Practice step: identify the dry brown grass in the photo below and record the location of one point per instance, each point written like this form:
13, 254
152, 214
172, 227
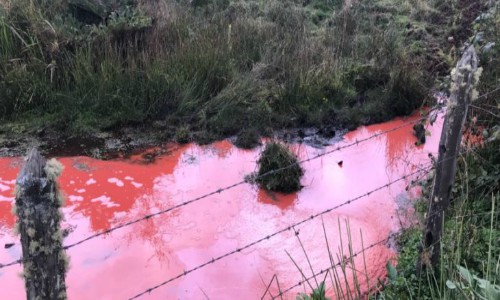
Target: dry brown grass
161, 11
6, 4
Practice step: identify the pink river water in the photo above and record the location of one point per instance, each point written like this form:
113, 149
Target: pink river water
103, 194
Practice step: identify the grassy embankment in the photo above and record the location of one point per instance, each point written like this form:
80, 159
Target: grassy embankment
208, 69
470, 256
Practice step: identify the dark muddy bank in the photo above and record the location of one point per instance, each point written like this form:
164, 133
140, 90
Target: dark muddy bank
132, 140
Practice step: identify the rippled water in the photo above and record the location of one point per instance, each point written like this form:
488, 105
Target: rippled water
102, 194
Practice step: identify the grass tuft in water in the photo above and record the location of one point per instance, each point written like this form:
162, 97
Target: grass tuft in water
274, 157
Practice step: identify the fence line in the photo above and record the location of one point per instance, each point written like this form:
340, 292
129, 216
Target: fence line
268, 237
244, 181
292, 226
281, 293
439, 211
229, 187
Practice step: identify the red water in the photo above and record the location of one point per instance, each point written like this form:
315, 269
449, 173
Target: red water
101, 194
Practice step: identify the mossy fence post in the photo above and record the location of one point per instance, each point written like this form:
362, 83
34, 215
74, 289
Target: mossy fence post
465, 76
37, 207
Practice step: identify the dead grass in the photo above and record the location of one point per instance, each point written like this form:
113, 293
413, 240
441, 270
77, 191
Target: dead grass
6, 5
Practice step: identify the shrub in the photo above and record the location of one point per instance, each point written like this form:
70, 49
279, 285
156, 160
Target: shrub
274, 157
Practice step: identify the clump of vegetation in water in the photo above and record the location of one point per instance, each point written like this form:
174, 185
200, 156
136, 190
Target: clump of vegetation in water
247, 139
274, 157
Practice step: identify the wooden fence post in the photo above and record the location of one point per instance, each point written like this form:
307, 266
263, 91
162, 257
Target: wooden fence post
38, 220
465, 76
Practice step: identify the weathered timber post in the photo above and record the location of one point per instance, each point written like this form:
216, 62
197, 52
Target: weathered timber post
38, 220
465, 76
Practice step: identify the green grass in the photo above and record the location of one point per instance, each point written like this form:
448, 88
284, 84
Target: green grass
220, 66
274, 157
470, 239
469, 265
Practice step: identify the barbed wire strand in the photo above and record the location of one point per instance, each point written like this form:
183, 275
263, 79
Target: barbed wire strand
393, 235
220, 190
268, 237
385, 240
291, 227
312, 217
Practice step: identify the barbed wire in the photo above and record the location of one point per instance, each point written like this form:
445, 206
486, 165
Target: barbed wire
281, 293
312, 217
15, 262
268, 237
292, 226
220, 190
185, 273
488, 93
229, 187
485, 110
332, 267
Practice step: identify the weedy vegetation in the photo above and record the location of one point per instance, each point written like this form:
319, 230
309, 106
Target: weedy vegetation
220, 66
469, 265
279, 169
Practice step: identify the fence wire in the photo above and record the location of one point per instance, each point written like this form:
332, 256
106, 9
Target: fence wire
268, 237
229, 187
332, 267
422, 171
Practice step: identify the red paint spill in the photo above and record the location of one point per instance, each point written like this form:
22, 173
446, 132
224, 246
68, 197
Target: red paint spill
102, 194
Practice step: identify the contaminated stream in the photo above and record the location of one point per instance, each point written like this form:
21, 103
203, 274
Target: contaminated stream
102, 194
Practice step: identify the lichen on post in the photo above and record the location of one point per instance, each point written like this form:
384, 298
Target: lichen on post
37, 205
